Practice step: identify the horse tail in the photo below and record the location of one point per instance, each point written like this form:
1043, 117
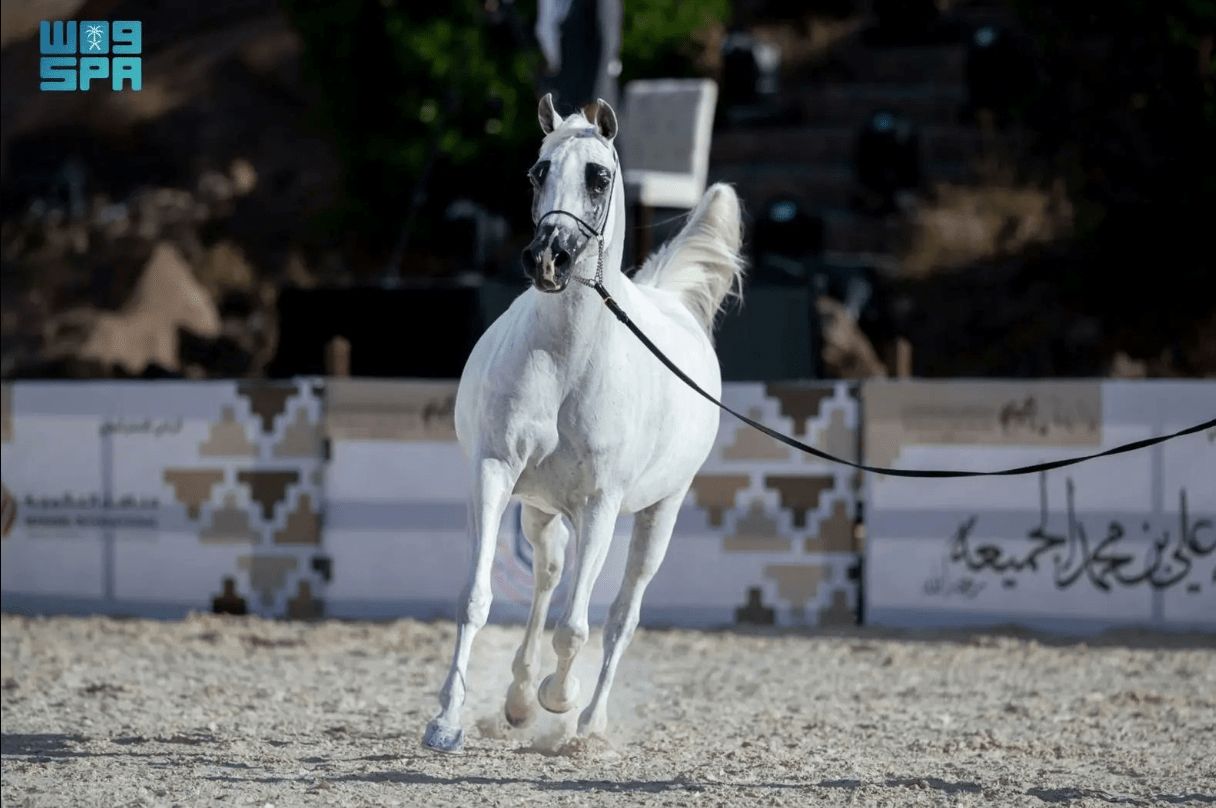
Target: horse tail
702, 263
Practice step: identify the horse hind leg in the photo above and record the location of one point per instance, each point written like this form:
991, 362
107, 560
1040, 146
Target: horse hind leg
548, 535
652, 529
491, 491
595, 527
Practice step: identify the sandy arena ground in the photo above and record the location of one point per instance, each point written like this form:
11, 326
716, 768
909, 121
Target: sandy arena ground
236, 711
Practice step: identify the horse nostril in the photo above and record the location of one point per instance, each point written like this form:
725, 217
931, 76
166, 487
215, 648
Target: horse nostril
560, 259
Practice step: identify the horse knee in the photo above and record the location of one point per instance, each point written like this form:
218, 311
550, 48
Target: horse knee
477, 608
548, 574
622, 622
621, 634
568, 639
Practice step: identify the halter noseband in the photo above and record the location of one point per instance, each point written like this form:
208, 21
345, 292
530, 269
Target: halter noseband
592, 232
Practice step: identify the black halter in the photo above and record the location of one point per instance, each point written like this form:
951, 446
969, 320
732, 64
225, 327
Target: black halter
593, 232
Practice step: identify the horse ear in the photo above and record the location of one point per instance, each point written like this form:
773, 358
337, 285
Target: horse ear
605, 119
549, 119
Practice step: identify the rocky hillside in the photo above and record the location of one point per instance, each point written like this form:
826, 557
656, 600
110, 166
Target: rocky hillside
212, 171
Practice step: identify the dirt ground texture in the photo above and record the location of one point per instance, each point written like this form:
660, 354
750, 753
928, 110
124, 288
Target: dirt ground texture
242, 711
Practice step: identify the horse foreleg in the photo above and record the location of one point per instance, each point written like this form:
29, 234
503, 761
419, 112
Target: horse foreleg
595, 527
492, 487
652, 529
548, 535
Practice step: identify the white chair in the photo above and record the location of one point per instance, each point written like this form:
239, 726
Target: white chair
666, 128
665, 135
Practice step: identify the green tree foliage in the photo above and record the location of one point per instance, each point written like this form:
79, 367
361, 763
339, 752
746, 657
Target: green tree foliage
404, 85
660, 37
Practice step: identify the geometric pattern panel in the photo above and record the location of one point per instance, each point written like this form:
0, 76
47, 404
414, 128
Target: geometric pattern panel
790, 515
191, 495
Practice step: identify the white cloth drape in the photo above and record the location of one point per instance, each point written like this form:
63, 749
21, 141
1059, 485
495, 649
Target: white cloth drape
550, 14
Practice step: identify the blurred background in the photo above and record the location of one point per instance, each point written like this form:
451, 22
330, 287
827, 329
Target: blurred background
1013, 188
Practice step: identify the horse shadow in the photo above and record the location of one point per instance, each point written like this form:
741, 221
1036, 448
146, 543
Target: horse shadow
63, 747
47, 745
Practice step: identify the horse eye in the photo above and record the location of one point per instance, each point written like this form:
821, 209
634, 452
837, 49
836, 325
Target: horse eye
538, 173
597, 178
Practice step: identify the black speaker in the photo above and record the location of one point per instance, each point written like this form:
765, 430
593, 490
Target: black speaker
740, 71
395, 332
887, 156
1001, 73
905, 22
787, 240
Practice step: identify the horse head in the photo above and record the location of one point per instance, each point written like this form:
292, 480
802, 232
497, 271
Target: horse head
573, 190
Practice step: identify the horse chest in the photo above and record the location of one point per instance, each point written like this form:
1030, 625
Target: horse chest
570, 447
589, 413
574, 436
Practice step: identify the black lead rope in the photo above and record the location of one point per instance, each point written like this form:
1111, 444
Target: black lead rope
615, 308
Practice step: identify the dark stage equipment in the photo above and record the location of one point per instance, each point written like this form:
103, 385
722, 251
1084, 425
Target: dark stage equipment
904, 22
1000, 74
887, 159
786, 241
395, 332
750, 82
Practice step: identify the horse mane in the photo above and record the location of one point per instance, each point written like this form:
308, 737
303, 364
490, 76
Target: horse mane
702, 264
573, 126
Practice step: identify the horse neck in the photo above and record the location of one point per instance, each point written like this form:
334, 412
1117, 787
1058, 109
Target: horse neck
573, 321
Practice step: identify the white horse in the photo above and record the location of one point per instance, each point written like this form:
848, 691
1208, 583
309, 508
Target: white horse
561, 406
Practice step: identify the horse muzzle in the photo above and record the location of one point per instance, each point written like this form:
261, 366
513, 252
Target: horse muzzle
549, 262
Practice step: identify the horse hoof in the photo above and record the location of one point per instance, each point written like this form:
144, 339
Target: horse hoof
592, 724
521, 720
553, 699
520, 707
442, 738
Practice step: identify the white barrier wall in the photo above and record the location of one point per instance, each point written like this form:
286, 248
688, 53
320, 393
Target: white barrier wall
395, 499
155, 498
1128, 540
347, 498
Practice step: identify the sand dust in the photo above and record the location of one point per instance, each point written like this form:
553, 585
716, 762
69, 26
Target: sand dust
241, 711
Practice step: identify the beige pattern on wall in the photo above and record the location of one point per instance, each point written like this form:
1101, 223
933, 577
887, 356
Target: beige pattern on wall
193, 487
992, 413
6, 413
751, 444
227, 438
716, 493
757, 532
230, 524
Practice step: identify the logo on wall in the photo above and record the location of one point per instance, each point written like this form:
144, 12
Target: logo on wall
76, 55
8, 511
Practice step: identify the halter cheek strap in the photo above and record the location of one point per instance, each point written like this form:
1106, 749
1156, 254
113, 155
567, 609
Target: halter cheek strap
592, 232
